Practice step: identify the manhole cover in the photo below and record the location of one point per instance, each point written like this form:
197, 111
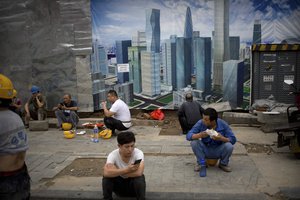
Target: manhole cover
84, 167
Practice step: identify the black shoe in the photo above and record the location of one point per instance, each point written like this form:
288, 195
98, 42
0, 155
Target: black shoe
225, 168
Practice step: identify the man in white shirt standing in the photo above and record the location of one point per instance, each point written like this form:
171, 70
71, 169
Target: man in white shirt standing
123, 172
118, 116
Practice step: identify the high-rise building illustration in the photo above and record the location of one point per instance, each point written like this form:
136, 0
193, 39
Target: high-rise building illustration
221, 40
233, 76
122, 57
102, 60
99, 94
188, 25
150, 62
169, 61
183, 62
164, 61
150, 59
135, 69
153, 30
139, 39
188, 34
99, 59
202, 60
257, 32
125, 91
234, 42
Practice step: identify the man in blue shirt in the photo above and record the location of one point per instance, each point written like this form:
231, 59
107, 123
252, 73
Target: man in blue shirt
212, 138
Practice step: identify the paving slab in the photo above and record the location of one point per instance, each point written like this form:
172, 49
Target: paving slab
254, 135
279, 170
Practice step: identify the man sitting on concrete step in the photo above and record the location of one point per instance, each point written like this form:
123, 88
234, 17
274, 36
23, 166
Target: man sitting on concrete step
123, 172
66, 111
35, 107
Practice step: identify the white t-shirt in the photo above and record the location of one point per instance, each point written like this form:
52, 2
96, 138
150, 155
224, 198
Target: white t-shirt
122, 112
115, 158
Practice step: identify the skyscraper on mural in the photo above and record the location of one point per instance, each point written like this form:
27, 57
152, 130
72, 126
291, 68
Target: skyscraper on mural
257, 32
188, 25
150, 59
221, 40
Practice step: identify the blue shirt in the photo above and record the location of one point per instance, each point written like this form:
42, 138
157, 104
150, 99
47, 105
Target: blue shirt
222, 128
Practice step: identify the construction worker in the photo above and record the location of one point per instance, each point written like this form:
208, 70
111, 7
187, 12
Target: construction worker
35, 106
14, 177
16, 104
66, 111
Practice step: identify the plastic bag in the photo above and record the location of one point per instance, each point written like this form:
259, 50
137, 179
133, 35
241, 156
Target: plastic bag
157, 114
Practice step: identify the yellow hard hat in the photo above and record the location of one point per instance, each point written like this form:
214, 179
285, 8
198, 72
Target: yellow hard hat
105, 134
66, 126
6, 87
69, 134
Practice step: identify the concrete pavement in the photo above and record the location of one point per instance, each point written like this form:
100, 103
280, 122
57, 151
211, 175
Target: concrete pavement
169, 164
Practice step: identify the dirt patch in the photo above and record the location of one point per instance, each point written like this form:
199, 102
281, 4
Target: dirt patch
258, 148
171, 126
84, 167
170, 131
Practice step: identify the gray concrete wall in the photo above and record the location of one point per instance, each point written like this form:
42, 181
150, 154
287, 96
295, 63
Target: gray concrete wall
48, 43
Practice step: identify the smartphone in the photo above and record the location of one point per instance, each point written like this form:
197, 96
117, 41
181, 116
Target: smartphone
137, 161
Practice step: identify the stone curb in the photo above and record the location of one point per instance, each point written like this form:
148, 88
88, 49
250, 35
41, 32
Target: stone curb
76, 195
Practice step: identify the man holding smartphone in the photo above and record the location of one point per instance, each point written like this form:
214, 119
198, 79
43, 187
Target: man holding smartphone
124, 170
66, 111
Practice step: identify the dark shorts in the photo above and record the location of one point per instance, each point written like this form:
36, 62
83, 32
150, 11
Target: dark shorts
15, 185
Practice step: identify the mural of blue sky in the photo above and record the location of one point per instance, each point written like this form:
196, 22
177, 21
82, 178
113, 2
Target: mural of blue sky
120, 19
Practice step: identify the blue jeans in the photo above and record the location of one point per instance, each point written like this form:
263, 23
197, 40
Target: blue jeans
72, 118
203, 151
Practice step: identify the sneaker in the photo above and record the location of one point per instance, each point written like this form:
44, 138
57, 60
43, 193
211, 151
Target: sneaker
197, 168
225, 168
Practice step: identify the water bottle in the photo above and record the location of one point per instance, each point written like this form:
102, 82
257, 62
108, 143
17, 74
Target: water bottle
96, 134
202, 172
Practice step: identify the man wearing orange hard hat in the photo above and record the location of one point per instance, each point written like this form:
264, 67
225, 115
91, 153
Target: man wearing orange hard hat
14, 177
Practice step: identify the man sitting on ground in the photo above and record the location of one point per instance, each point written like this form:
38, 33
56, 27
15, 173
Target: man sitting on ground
66, 111
118, 116
124, 168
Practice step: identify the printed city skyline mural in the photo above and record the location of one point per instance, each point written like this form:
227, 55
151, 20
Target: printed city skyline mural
154, 52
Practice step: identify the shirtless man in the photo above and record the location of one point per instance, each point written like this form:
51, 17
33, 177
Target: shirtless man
14, 177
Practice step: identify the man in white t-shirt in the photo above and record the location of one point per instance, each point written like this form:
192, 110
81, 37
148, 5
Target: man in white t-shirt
123, 172
118, 116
